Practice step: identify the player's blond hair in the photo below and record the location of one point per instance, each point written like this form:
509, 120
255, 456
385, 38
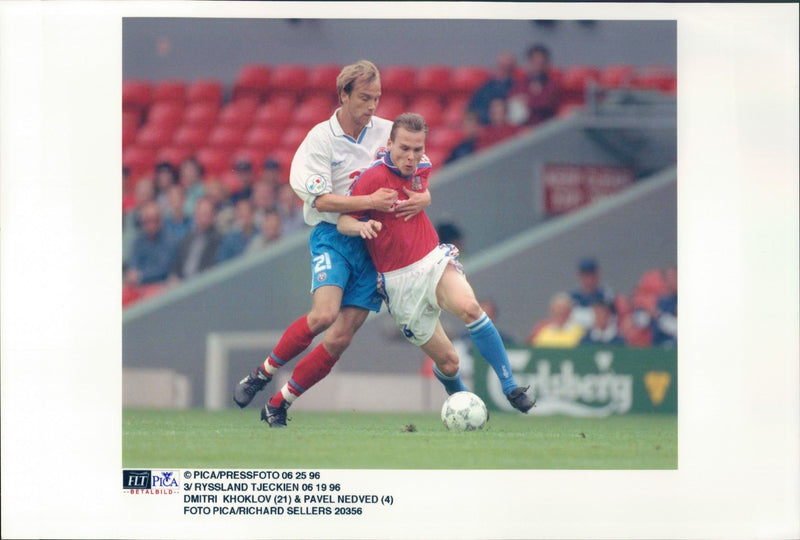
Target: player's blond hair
409, 121
361, 71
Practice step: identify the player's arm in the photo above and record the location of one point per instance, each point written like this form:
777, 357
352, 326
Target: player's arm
382, 199
416, 203
350, 226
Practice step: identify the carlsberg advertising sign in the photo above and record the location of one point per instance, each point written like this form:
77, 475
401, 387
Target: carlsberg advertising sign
587, 382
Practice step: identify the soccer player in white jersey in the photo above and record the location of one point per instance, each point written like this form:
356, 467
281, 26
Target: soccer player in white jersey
343, 277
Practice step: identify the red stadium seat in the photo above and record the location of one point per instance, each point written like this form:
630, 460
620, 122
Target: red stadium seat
139, 161
398, 79
322, 78
205, 91
433, 79
236, 114
429, 107
465, 80
200, 114
660, 78
289, 77
292, 138
312, 112
437, 156
568, 109
165, 113
576, 78
154, 136
252, 80
617, 76
255, 156
226, 136
390, 106
173, 90
232, 182
444, 139
274, 114
286, 100
454, 112
190, 137
173, 155
215, 161
137, 95
130, 125
263, 137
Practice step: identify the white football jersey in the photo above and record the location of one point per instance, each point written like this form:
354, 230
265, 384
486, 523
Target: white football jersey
327, 158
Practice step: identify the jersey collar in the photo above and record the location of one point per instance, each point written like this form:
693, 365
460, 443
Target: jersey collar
337, 130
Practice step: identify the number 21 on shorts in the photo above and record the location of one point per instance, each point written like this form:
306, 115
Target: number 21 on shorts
322, 262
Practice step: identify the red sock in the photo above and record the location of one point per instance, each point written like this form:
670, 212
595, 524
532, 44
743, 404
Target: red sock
308, 372
297, 337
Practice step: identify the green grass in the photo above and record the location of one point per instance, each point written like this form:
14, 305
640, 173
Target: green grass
237, 439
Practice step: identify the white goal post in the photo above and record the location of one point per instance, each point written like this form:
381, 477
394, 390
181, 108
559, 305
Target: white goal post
218, 347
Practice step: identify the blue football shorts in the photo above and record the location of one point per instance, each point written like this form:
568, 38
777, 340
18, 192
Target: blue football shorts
343, 261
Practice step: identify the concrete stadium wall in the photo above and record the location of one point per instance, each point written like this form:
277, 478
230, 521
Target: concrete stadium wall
191, 48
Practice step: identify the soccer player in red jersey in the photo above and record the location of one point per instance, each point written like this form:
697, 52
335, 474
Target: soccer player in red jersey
418, 277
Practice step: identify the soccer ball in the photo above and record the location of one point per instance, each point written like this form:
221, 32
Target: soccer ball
464, 411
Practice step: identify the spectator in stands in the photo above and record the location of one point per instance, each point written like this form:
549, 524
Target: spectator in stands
291, 210
153, 250
499, 128
604, 328
589, 291
191, 178
271, 172
176, 222
263, 200
558, 330
144, 192
223, 208
235, 242
472, 128
499, 86
244, 171
664, 324
166, 176
270, 232
537, 99
198, 249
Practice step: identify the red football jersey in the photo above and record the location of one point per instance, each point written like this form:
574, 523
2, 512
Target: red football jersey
399, 243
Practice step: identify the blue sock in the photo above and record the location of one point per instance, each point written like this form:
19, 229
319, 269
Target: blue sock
487, 339
452, 384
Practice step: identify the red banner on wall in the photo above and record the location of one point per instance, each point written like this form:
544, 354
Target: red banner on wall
567, 186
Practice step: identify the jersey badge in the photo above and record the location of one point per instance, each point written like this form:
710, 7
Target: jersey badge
322, 276
416, 183
316, 184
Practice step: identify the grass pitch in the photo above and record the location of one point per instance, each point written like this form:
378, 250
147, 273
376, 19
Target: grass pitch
350, 440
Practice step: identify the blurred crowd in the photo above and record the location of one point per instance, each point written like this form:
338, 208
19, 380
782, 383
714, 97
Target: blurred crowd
592, 314
179, 223
515, 98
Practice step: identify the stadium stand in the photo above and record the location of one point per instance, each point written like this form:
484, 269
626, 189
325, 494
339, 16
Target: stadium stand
268, 110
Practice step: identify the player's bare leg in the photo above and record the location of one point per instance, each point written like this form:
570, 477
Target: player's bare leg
316, 365
455, 295
325, 304
445, 360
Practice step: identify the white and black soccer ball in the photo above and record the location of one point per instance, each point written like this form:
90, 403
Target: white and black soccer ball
464, 411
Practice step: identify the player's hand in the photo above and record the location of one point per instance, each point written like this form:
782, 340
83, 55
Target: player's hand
412, 206
369, 229
383, 199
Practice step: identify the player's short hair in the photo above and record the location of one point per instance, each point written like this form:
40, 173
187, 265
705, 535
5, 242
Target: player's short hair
361, 71
412, 122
